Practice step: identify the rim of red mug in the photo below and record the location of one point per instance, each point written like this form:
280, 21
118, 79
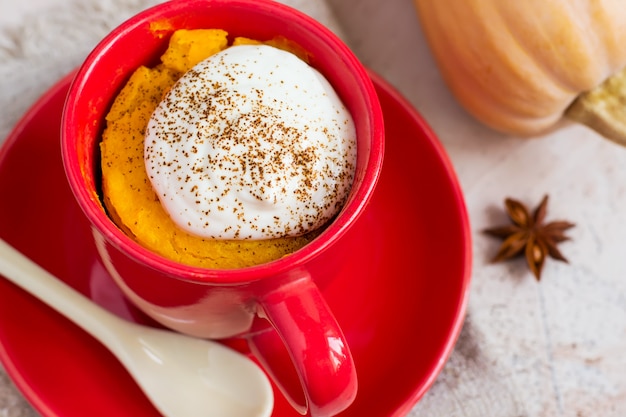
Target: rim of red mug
351, 210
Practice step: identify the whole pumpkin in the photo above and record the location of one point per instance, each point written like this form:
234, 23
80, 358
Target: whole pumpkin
519, 65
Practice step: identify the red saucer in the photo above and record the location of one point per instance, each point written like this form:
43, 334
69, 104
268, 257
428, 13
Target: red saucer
401, 302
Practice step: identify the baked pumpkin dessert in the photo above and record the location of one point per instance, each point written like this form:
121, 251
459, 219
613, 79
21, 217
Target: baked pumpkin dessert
206, 163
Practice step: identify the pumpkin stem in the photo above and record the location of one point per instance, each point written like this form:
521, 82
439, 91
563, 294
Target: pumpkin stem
603, 109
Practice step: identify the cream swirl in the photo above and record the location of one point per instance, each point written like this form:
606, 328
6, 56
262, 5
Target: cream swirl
251, 143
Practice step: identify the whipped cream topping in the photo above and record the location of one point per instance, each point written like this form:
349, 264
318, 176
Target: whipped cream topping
251, 143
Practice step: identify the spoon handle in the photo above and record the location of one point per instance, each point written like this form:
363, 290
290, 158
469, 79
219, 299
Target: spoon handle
29, 276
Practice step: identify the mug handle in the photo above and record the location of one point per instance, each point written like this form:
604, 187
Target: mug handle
307, 350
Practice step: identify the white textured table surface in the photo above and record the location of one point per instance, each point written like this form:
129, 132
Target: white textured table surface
528, 349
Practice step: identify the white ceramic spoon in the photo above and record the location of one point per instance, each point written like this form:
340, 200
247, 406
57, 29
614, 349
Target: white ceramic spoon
181, 375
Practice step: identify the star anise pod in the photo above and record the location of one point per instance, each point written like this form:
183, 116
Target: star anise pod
529, 235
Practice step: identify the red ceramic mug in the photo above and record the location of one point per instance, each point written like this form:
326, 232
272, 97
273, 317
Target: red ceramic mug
278, 306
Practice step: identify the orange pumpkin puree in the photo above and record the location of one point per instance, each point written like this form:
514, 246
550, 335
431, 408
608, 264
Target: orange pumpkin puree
128, 195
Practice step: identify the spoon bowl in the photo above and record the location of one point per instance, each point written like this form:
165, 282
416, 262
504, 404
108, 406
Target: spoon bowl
181, 375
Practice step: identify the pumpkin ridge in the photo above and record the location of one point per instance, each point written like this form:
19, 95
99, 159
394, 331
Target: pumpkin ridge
610, 41
536, 39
